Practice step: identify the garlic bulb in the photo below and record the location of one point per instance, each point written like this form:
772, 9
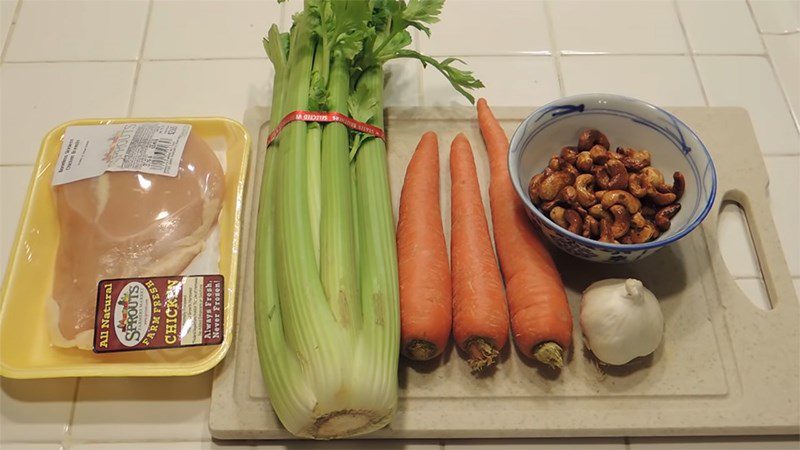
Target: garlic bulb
621, 320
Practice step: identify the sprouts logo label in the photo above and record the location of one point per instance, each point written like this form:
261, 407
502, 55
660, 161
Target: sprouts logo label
121, 139
132, 314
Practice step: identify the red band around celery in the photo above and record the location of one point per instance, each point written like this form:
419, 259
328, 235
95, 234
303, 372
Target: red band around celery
325, 116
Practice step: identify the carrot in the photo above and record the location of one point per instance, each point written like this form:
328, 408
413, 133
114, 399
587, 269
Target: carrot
480, 313
541, 320
425, 292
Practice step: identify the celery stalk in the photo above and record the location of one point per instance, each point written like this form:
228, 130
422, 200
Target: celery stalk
297, 336
338, 270
308, 326
279, 365
377, 256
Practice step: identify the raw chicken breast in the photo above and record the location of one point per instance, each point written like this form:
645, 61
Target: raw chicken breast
129, 224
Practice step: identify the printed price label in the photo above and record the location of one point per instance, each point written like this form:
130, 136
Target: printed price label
159, 312
150, 147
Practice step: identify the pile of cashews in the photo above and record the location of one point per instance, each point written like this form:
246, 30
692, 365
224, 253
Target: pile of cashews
614, 197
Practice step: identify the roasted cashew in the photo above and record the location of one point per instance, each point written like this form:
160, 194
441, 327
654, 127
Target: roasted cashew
584, 162
659, 193
569, 154
554, 163
569, 168
664, 216
533, 188
652, 176
552, 185
591, 137
606, 235
599, 154
636, 185
622, 221
638, 220
623, 198
634, 160
601, 177
557, 214
568, 194
574, 220
618, 174
678, 185
584, 187
599, 213
548, 206
662, 198
591, 227
599, 194
637, 236
648, 212
557, 163
612, 175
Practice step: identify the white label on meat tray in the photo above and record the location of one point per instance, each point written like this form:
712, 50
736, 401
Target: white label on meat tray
149, 147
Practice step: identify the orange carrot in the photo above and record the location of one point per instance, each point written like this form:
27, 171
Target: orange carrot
541, 320
425, 293
480, 313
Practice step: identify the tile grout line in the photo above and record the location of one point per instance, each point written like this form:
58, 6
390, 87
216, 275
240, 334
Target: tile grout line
777, 33
554, 51
691, 52
10, 32
67, 61
546, 54
795, 114
758, 27
782, 155
135, 83
67, 440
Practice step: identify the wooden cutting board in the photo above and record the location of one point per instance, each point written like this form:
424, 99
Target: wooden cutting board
725, 366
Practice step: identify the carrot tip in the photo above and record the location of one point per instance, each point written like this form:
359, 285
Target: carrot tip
482, 355
549, 353
418, 350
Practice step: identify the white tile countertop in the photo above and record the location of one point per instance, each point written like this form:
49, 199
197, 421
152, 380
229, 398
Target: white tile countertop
69, 59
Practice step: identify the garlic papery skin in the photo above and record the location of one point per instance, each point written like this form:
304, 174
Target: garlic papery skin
621, 320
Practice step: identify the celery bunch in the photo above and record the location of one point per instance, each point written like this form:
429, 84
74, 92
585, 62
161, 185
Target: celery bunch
326, 288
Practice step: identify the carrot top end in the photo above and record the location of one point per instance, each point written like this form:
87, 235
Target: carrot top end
418, 350
549, 353
482, 355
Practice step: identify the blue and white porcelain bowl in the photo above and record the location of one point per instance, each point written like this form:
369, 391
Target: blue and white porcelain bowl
626, 122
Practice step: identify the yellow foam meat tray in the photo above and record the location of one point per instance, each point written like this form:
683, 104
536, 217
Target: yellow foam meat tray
25, 348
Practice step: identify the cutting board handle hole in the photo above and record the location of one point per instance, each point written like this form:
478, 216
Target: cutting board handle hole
739, 253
